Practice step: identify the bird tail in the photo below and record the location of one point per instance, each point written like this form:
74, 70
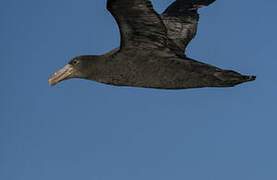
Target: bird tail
232, 78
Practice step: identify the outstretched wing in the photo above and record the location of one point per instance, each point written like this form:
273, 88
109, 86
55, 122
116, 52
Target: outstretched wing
181, 20
140, 26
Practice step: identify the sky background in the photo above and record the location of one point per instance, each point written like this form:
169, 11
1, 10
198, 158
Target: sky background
85, 130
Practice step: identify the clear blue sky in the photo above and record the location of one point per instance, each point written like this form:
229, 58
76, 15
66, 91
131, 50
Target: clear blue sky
85, 130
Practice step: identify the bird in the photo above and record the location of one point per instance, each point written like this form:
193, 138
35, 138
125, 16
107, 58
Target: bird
152, 52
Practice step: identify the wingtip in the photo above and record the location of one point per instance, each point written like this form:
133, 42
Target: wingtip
201, 3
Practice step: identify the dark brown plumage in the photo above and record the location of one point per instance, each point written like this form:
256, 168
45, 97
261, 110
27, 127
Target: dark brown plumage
151, 52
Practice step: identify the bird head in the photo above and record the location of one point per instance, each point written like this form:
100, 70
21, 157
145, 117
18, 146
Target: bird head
76, 68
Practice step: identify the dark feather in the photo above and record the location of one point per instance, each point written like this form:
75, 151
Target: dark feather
139, 24
181, 19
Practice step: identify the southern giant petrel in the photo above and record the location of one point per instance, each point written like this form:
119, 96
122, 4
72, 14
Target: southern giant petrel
152, 51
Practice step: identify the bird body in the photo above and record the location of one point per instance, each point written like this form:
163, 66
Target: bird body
151, 52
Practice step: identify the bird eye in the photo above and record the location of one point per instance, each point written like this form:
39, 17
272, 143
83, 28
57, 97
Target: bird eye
75, 62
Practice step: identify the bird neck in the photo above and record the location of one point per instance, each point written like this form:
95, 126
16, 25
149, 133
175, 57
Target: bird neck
99, 68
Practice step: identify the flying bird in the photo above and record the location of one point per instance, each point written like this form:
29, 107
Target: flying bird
152, 51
